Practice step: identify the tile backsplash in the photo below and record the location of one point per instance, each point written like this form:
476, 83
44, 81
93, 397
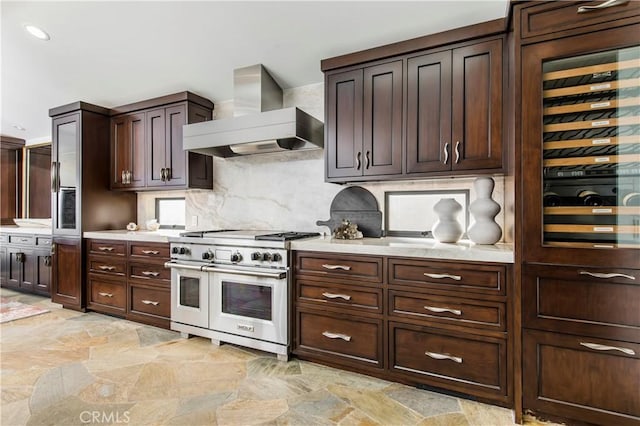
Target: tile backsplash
286, 191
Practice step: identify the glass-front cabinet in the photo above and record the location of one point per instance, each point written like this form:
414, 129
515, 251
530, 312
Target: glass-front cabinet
581, 150
64, 175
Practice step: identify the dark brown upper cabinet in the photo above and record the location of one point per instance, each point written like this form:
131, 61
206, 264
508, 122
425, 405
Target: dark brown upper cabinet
435, 112
127, 151
11, 169
146, 144
364, 129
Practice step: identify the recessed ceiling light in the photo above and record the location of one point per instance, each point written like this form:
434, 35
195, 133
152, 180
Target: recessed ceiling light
19, 127
38, 33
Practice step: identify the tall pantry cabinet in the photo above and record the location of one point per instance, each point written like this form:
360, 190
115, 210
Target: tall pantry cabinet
578, 88
80, 196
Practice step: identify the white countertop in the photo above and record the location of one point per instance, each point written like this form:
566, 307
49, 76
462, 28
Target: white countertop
13, 229
159, 236
410, 247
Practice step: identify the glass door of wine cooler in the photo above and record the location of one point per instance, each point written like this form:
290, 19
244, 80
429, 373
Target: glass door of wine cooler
581, 149
591, 150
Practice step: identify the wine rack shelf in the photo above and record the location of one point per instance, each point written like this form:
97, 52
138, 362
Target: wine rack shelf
591, 145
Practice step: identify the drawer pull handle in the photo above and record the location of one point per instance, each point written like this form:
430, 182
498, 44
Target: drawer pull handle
105, 294
150, 273
105, 248
598, 347
446, 153
150, 251
150, 302
336, 296
457, 150
435, 309
439, 276
436, 355
106, 267
607, 276
331, 335
607, 4
334, 267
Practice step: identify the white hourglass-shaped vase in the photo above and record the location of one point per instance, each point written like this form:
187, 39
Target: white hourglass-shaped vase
447, 229
484, 209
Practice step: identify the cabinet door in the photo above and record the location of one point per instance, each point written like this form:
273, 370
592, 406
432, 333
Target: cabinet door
429, 113
29, 268
66, 175
41, 274
176, 157
15, 266
382, 127
344, 124
127, 151
581, 150
156, 148
477, 106
3, 266
66, 285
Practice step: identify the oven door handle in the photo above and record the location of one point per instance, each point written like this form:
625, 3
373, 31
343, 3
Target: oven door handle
182, 266
275, 275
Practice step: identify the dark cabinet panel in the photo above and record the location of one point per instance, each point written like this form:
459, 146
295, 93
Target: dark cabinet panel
11, 172
429, 113
65, 157
477, 94
42, 272
157, 147
127, 151
344, 106
67, 287
176, 157
39, 182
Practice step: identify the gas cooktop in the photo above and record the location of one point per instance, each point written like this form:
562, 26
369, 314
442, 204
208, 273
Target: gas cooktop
255, 235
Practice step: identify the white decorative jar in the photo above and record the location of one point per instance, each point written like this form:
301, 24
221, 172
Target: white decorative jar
484, 209
447, 229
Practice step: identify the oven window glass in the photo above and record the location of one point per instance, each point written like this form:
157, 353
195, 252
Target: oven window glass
190, 292
246, 300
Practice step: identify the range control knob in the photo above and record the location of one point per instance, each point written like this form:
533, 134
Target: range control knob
266, 257
174, 250
256, 255
275, 257
207, 255
236, 257
183, 250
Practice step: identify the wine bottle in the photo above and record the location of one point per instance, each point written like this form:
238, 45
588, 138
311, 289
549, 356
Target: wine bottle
550, 199
590, 198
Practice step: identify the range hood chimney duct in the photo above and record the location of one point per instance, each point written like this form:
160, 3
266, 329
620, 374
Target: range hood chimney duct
259, 123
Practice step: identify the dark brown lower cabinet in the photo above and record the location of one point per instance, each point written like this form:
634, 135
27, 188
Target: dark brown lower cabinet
66, 283
582, 378
26, 263
128, 279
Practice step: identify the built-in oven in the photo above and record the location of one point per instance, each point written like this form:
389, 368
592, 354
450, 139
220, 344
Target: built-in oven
252, 304
189, 296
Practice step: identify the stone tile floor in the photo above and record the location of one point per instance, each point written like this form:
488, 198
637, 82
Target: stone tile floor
70, 368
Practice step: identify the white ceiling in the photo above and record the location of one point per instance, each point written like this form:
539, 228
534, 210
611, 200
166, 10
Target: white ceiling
114, 53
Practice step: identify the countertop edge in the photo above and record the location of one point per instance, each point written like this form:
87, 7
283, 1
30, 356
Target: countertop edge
122, 235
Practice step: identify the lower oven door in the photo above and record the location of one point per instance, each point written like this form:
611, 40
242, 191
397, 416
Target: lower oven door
250, 306
190, 297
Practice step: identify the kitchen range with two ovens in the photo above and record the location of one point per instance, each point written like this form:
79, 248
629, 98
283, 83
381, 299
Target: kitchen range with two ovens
233, 286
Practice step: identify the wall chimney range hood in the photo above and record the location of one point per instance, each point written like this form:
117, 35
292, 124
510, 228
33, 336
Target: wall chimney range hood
259, 123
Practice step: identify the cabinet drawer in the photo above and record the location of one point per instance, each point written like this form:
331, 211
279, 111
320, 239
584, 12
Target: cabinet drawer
107, 293
361, 268
585, 379
22, 239
341, 337
107, 265
149, 250
556, 17
573, 300
43, 241
151, 301
459, 277
349, 297
149, 271
107, 247
468, 313
465, 363
4, 239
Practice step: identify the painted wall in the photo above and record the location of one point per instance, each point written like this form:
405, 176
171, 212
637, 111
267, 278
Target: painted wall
284, 191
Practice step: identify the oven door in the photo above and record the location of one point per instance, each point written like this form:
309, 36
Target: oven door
189, 296
250, 306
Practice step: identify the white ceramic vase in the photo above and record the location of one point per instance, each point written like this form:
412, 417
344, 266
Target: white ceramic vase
447, 229
484, 209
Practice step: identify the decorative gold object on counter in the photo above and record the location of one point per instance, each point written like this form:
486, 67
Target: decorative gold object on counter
347, 231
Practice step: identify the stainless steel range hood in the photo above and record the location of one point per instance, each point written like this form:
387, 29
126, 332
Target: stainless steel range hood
259, 125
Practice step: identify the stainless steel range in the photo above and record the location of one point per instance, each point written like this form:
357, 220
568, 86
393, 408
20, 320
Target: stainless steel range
233, 286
